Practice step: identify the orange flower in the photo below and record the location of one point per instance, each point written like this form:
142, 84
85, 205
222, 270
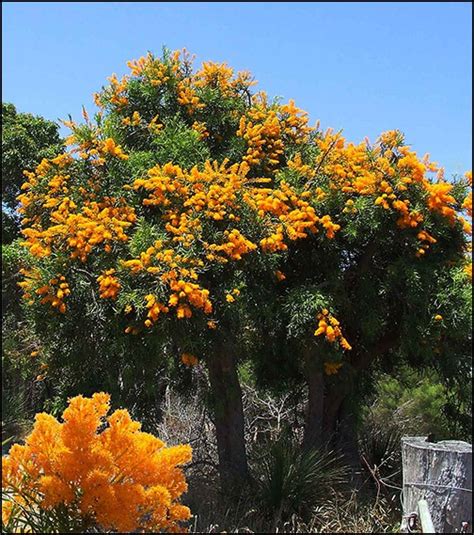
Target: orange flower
189, 360
118, 478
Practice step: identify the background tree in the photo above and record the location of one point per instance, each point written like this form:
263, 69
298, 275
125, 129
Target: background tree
26, 140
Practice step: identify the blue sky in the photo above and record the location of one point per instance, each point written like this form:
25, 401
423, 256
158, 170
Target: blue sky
363, 67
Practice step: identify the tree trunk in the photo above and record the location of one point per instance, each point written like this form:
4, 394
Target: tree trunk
313, 432
347, 442
328, 419
229, 420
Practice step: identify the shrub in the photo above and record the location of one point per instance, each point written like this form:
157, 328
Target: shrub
83, 474
414, 401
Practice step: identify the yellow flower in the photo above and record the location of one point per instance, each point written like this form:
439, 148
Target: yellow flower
438, 317
280, 276
331, 368
229, 298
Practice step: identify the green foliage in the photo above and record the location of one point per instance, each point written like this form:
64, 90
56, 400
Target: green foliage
415, 401
26, 140
302, 305
179, 144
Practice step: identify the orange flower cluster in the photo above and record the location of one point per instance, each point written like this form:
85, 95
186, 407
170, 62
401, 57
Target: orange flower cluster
467, 203
189, 360
109, 285
55, 219
220, 76
175, 270
328, 326
440, 200
178, 69
179, 65
115, 93
392, 174
262, 131
212, 191
294, 122
188, 292
134, 120
31, 280
297, 165
426, 240
153, 70
164, 183
294, 216
187, 97
200, 128
90, 146
108, 146
98, 223
236, 246
117, 479
54, 292
468, 270
155, 308
266, 129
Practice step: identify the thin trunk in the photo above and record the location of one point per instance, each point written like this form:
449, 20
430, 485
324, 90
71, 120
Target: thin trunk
347, 442
313, 433
332, 404
229, 420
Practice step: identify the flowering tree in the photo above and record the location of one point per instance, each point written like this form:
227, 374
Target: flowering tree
394, 280
196, 218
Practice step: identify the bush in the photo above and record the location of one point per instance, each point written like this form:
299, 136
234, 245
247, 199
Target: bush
414, 401
83, 474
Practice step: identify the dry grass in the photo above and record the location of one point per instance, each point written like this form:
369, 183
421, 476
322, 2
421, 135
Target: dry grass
342, 511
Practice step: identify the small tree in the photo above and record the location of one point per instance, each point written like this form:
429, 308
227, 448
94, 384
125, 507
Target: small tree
160, 206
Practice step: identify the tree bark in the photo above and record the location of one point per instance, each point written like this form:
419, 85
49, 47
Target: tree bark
347, 441
313, 432
229, 420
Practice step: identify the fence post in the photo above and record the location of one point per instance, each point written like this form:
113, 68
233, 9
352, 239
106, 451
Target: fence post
441, 474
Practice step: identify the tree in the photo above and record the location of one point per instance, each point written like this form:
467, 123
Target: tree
193, 218
400, 251
26, 139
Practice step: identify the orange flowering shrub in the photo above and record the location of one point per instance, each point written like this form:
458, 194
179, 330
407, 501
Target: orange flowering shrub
94, 470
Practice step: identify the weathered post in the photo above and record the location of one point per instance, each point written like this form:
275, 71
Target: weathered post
441, 474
